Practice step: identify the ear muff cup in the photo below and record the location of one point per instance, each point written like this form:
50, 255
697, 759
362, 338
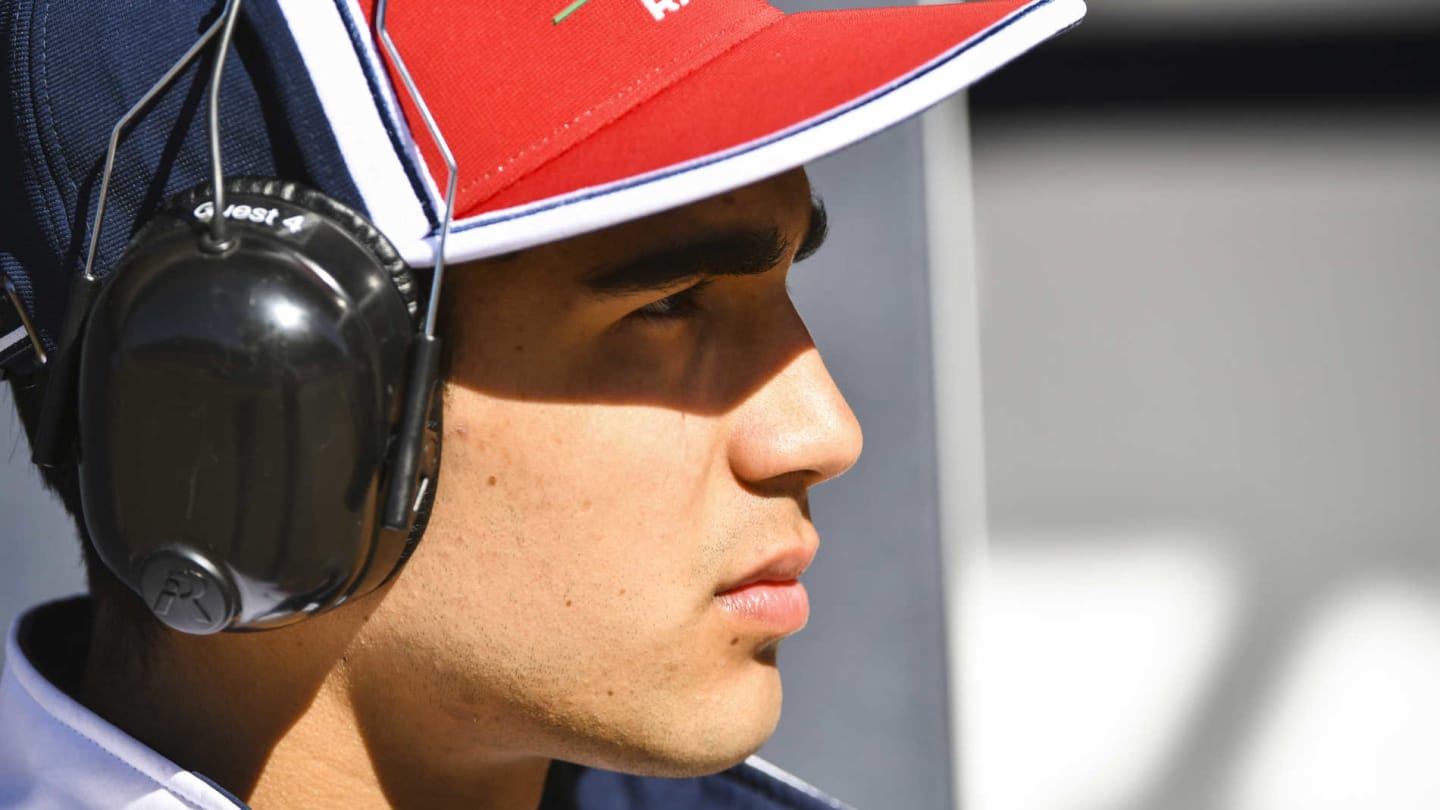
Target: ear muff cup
238, 409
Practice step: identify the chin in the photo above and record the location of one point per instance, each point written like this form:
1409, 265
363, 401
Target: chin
707, 737
699, 760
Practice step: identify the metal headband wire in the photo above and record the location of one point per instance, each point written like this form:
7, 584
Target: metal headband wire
217, 172
14, 296
439, 140
124, 122
226, 22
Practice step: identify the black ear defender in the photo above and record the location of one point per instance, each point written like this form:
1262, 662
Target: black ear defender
257, 392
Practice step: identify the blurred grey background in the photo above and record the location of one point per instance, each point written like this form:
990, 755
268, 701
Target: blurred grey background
1208, 239
1186, 361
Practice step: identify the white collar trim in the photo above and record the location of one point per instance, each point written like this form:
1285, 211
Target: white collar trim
54, 752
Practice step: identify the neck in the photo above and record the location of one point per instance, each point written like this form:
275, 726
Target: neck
272, 717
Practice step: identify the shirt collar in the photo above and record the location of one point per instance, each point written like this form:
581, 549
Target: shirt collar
55, 752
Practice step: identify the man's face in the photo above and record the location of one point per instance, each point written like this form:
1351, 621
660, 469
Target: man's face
632, 421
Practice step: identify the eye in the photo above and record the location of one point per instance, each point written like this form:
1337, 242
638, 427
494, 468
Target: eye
678, 306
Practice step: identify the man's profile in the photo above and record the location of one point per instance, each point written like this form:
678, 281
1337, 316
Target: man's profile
633, 411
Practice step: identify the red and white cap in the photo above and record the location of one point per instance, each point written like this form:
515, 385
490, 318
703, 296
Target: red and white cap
567, 118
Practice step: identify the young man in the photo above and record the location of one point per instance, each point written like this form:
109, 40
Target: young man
633, 411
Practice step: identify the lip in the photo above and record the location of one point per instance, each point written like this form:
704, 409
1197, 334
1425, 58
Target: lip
777, 607
785, 565
771, 597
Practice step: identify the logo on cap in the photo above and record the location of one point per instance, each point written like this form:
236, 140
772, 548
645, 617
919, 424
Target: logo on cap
657, 8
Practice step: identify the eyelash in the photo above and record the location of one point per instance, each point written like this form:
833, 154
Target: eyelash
675, 307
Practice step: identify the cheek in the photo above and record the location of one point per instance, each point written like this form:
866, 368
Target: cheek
563, 596
598, 522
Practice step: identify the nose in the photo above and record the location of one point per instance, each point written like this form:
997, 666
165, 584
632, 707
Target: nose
796, 429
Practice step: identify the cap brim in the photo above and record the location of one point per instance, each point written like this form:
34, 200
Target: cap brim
798, 89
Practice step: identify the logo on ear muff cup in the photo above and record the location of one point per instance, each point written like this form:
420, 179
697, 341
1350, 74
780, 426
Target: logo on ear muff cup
186, 591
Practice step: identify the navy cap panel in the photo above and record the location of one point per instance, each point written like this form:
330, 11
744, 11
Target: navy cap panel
23, 204
73, 72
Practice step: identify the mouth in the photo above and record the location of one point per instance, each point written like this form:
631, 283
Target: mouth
776, 608
770, 598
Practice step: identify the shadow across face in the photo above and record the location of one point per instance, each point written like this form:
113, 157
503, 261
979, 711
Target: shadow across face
686, 309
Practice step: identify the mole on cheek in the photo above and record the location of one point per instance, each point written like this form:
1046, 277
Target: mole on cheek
490, 481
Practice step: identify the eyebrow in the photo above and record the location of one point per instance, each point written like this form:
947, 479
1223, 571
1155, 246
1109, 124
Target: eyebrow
729, 253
